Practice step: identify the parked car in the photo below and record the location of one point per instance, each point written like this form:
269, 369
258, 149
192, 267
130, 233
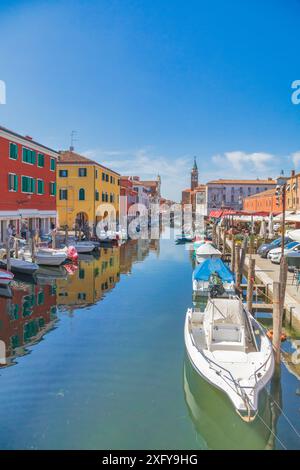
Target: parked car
275, 254
264, 249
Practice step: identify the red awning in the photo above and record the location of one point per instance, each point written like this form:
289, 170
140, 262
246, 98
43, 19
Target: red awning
216, 214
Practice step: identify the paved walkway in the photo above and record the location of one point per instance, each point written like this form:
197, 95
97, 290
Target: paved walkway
267, 273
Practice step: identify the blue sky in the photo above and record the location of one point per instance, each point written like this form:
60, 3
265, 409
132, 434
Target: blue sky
148, 84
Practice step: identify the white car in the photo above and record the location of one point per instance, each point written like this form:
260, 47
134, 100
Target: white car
275, 254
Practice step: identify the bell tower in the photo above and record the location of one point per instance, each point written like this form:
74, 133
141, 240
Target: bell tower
194, 175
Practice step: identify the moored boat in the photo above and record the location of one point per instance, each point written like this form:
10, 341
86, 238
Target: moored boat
19, 266
229, 349
213, 275
5, 277
49, 257
207, 250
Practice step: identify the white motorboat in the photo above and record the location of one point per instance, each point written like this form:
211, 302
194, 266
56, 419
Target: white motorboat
229, 349
207, 250
5, 277
84, 247
20, 266
49, 257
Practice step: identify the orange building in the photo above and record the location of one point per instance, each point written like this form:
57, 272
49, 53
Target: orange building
264, 201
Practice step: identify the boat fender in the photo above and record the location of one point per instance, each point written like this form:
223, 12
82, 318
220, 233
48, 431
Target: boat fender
283, 336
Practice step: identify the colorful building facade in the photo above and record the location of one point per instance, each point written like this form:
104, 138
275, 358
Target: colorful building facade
86, 191
28, 184
262, 202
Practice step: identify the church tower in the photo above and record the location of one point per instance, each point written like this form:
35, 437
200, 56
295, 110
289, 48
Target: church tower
194, 176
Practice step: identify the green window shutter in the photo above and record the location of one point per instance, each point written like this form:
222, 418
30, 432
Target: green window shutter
13, 151
15, 182
33, 157
52, 164
41, 160
24, 189
32, 185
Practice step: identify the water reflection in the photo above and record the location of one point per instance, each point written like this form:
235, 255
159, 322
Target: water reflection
216, 421
25, 318
32, 311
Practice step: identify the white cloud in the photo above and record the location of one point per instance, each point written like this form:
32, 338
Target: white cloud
146, 164
239, 160
296, 158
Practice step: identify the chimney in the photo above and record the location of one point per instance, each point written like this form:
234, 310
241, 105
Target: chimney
28, 137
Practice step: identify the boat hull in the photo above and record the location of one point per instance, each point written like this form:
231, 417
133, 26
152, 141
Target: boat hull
202, 366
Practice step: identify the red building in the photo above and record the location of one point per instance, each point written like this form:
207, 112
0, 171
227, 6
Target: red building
27, 182
126, 189
262, 202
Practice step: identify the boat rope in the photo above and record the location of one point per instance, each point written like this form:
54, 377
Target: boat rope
285, 416
272, 432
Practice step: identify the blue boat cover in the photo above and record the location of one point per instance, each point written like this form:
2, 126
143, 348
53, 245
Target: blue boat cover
211, 265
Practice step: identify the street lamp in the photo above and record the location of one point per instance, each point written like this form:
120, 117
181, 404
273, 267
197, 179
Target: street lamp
281, 198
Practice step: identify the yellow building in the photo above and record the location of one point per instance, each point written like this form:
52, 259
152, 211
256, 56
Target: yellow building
91, 281
86, 191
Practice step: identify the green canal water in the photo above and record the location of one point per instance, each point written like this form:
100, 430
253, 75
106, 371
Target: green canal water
96, 360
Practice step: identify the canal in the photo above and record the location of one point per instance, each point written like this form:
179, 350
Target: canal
95, 360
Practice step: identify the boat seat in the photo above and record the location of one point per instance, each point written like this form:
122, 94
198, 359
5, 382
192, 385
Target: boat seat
197, 318
228, 337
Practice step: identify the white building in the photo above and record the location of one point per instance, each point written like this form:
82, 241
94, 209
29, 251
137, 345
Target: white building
229, 194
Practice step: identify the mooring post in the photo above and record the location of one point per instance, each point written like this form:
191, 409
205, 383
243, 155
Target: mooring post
277, 321
224, 242
53, 239
16, 248
243, 255
32, 246
233, 254
283, 280
8, 264
250, 283
237, 266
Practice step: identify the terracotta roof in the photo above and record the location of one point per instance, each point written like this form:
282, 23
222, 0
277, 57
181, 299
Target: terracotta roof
269, 192
29, 140
149, 183
66, 156
257, 181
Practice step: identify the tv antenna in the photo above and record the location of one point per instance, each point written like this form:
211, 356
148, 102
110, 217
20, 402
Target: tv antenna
73, 139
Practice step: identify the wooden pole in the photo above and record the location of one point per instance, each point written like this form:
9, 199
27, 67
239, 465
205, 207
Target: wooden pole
282, 280
243, 255
233, 255
8, 264
32, 246
237, 266
224, 242
250, 283
53, 239
277, 321
283, 219
16, 248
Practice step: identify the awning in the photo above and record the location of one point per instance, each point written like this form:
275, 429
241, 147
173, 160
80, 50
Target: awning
216, 214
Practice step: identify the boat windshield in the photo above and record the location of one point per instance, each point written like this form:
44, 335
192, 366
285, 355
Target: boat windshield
228, 311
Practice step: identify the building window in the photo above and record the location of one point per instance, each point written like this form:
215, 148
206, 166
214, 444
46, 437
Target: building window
40, 187
107, 178
52, 164
63, 173
96, 173
12, 182
97, 195
81, 194
257, 189
103, 176
82, 172
111, 198
41, 160
63, 194
103, 197
13, 151
28, 184
52, 188
81, 296
28, 156
81, 273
